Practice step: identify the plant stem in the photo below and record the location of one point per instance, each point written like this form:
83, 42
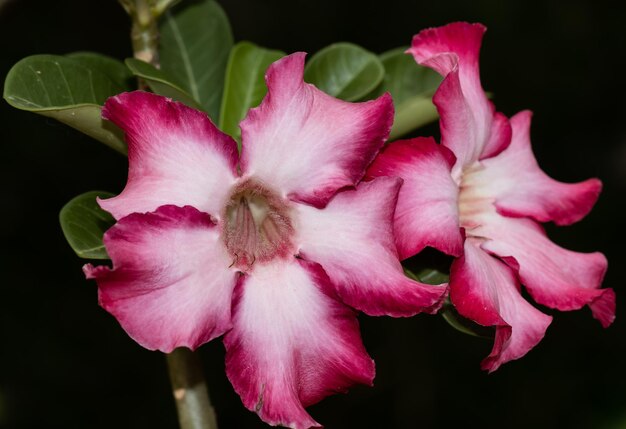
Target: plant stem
188, 385
145, 32
190, 390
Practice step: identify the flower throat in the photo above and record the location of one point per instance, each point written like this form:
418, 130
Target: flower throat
257, 225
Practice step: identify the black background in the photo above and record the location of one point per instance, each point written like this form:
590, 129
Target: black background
65, 363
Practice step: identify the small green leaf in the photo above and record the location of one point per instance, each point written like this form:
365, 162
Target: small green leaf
245, 84
412, 87
427, 275
83, 223
345, 71
65, 89
195, 42
113, 68
463, 324
448, 312
160, 83
432, 276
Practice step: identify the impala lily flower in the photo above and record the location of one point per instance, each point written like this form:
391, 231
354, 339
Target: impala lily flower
272, 248
480, 195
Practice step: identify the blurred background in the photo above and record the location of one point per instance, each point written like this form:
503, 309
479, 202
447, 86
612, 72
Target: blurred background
66, 363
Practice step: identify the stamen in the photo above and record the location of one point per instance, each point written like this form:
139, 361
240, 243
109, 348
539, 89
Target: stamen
270, 230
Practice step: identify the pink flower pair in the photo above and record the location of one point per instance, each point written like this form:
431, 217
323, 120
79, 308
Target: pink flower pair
277, 247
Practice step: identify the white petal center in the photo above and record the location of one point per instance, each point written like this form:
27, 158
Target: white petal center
475, 204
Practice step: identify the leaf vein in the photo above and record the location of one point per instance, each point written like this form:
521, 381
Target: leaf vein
193, 87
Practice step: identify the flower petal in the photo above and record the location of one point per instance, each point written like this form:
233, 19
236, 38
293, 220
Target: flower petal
485, 290
469, 125
175, 155
427, 212
292, 343
352, 238
554, 276
170, 285
307, 143
521, 189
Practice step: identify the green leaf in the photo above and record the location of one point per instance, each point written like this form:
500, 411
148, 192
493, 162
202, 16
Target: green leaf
448, 312
463, 324
431, 276
345, 71
195, 42
412, 87
113, 68
65, 89
428, 275
160, 83
412, 114
245, 84
83, 223
404, 78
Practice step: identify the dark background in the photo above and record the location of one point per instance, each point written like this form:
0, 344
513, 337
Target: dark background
65, 363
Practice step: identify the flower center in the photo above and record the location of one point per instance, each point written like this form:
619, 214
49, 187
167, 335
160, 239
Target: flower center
257, 225
474, 203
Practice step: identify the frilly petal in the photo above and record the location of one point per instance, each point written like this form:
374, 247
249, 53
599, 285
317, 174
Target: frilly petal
306, 143
170, 285
522, 189
555, 277
427, 212
352, 238
485, 290
292, 343
470, 127
175, 156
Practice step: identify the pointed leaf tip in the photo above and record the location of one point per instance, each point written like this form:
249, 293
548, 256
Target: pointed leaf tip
161, 83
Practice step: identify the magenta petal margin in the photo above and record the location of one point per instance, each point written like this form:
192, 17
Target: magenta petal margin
274, 250
491, 191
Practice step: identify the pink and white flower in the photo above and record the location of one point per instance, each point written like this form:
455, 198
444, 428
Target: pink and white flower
273, 248
480, 196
